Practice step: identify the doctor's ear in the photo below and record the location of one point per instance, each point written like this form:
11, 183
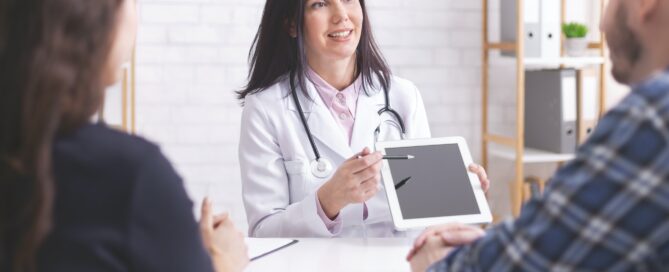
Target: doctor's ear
292, 29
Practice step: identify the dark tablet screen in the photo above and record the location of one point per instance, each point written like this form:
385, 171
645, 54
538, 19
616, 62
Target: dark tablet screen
434, 183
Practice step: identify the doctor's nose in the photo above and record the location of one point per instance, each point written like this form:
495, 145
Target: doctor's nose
340, 13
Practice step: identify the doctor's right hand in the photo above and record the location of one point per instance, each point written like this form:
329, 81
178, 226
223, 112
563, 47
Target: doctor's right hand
356, 181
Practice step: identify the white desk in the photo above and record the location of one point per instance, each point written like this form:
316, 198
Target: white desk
340, 254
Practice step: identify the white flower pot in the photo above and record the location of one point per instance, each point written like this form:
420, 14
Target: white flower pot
576, 47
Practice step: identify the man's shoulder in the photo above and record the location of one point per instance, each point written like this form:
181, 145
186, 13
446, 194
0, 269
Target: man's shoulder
647, 105
656, 88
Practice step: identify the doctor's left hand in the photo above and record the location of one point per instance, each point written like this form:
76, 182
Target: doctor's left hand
483, 176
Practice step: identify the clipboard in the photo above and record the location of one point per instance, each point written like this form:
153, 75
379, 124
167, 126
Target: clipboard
261, 247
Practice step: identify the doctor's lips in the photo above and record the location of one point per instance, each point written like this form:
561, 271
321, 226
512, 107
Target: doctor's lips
402, 183
341, 34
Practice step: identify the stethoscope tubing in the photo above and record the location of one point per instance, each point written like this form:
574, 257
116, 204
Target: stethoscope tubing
293, 91
307, 130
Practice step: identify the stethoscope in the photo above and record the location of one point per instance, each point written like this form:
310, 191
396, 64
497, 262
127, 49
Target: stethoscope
322, 167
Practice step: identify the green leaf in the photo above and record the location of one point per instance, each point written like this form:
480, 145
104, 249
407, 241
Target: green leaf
574, 30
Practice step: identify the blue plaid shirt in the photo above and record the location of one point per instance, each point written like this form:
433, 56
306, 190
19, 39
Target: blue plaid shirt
607, 210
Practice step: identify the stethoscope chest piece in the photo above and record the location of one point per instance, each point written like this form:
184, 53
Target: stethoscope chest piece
321, 168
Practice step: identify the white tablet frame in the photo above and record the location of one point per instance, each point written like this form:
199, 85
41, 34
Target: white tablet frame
400, 223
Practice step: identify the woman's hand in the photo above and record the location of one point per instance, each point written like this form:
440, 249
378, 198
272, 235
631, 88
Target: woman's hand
223, 241
355, 181
483, 176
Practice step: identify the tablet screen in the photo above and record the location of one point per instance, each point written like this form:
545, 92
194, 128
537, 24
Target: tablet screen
434, 183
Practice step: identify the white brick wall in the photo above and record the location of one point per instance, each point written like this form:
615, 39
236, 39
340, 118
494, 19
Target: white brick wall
191, 56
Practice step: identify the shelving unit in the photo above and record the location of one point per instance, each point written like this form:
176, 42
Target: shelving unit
513, 148
530, 155
564, 62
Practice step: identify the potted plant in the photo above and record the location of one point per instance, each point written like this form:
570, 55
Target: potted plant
576, 44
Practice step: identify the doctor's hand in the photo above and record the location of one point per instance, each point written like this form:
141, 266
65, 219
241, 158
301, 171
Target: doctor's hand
356, 181
222, 240
483, 176
451, 235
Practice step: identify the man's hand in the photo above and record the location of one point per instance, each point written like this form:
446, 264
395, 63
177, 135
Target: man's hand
433, 250
451, 235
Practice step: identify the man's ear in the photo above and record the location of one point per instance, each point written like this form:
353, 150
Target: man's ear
639, 12
646, 9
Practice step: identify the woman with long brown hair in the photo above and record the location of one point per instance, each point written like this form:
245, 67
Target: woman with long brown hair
319, 96
77, 196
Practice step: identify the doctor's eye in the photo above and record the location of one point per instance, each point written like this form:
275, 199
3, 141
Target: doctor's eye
318, 5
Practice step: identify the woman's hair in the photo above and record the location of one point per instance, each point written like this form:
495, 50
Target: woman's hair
52, 56
275, 54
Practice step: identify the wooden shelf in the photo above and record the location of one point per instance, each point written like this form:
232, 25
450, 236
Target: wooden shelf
502, 46
511, 46
530, 155
565, 62
509, 146
499, 139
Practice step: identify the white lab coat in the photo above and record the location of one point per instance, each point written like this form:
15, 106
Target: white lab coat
279, 190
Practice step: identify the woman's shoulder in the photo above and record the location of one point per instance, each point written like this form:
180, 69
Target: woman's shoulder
270, 100
402, 83
403, 89
278, 90
104, 139
100, 147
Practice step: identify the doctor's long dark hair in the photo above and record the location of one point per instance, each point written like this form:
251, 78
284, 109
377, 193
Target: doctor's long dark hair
275, 54
52, 53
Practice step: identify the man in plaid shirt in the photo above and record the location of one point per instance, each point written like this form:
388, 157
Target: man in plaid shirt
608, 209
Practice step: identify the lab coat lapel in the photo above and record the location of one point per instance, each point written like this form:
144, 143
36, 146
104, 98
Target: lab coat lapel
322, 124
366, 121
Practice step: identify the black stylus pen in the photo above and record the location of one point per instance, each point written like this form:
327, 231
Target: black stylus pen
402, 183
405, 157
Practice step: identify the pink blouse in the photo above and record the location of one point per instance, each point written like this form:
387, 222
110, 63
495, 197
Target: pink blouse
343, 105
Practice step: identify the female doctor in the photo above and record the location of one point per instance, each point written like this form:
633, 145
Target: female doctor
319, 96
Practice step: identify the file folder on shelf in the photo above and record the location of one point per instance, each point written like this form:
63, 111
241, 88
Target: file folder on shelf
550, 110
542, 27
551, 29
589, 101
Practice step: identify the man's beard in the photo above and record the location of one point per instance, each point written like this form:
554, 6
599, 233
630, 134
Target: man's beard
625, 48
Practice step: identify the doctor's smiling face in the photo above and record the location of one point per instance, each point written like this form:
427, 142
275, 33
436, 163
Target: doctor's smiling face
334, 35
332, 29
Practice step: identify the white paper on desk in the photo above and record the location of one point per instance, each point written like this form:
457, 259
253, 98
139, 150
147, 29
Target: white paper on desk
261, 246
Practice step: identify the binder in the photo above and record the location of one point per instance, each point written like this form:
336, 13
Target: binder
542, 27
589, 98
551, 29
551, 110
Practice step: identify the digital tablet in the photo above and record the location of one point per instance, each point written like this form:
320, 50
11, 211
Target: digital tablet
434, 187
